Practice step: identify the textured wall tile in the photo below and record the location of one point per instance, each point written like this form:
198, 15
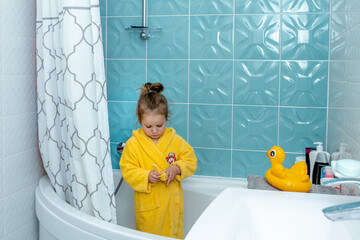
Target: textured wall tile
352, 97
19, 94
1, 84
247, 162
337, 79
20, 133
1, 140
19, 54
305, 36
30, 231
122, 43
19, 209
256, 82
172, 41
2, 56
304, 83
339, 24
336, 94
335, 135
1, 73
211, 7
103, 21
338, 48
306, 6
255, 128
353, 20
122, 120
353, 145
210, 126
211, 82
352, 42
351, 124
165, 7
2, 219
300, 128
338, 70
124, 8
103, 9
211, 37
2, 187
345, 6
115, 156
173, 74
261, 6
18, 177
178, 119
124, 78
339, 5
213, 162
257, 36
352, 72
22, 22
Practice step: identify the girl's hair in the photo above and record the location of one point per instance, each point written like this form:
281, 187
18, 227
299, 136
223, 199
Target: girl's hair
151, 99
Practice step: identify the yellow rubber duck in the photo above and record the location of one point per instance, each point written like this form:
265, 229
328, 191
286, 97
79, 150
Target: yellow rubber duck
294, 179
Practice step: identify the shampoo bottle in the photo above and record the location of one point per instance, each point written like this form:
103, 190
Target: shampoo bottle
313, 155
341, 153
320, 162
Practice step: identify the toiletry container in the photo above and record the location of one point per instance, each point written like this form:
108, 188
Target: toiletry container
340, 154
307, 160
312, 157
320, 162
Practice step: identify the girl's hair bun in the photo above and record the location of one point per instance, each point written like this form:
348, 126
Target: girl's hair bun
151, 87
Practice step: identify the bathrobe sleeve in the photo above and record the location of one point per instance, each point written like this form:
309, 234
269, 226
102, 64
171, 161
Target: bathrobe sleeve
131, 170
187, 160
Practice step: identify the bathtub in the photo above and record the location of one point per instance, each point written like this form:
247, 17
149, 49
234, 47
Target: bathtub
60, 221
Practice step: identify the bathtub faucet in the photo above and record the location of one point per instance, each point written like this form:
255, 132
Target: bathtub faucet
345, 211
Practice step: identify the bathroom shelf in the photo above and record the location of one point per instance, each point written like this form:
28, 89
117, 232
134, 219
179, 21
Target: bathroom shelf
144, 31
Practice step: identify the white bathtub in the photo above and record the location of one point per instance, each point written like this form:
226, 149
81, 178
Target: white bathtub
58, 220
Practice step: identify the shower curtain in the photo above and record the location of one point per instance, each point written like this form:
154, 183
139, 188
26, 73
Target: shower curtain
72, 105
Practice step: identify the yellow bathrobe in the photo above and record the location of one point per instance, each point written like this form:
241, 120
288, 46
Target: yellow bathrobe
159, 209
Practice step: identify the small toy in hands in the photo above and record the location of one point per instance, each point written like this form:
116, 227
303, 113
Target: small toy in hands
294, 179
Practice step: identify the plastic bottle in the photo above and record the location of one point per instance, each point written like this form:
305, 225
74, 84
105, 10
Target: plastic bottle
312, 157
320, 162
340, 154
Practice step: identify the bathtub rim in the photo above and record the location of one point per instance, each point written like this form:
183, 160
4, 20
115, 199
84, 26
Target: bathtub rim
47, 200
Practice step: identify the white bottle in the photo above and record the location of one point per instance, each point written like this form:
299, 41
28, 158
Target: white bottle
312, 157
341, 153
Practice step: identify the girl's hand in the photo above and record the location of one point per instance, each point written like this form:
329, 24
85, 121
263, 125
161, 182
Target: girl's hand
153, 176
171, 173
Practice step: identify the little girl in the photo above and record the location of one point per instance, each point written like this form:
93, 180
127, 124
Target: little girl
153, 163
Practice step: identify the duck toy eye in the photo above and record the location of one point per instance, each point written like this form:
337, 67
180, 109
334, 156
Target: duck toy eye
273, 153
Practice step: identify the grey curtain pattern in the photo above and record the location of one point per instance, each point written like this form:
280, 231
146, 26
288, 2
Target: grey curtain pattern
73, 124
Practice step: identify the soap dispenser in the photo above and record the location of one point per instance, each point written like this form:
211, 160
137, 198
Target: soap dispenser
313, 155
340, 154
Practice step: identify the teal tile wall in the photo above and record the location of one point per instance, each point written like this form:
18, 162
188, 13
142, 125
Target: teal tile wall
240, 76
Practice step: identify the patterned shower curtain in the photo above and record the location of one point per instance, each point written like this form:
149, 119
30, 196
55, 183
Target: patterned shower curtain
72, 105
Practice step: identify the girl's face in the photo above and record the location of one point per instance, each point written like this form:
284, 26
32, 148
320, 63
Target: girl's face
153, 124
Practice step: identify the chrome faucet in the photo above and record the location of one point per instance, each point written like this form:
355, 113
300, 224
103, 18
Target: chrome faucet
345, 211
